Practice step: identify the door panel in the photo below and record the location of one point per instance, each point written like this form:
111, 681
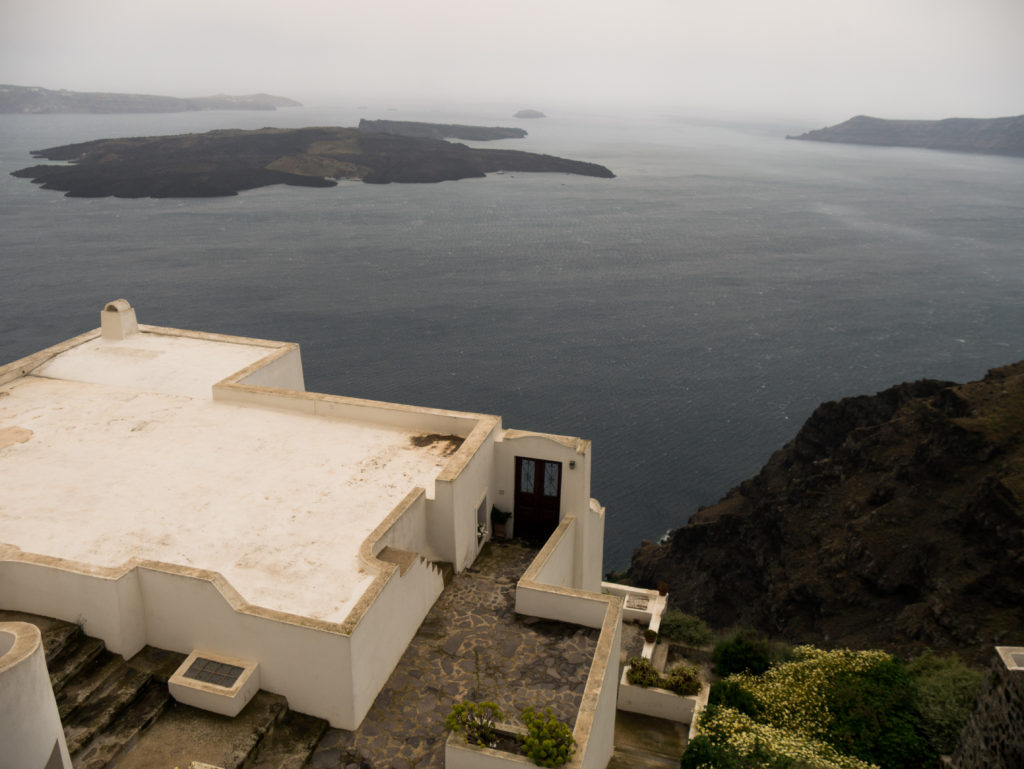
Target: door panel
538, 497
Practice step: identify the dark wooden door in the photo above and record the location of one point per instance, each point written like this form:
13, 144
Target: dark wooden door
538, 497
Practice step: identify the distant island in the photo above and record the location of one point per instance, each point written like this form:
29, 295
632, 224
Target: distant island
529, 113
17, 99
224, 162
994, 136
440, 130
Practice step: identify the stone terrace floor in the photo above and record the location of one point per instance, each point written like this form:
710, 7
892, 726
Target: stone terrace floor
471, 646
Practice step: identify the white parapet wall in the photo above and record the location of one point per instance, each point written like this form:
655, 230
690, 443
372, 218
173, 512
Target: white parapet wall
594, 730
546, 589
639, 604
461, 487
182, 609
30, 730
282, 370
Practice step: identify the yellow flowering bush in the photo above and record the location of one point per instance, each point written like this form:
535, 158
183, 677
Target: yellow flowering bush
725, 726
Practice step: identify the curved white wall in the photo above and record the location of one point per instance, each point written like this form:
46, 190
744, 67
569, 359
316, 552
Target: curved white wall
30, 728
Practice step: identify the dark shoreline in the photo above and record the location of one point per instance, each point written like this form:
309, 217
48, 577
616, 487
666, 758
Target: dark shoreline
225, 162
992, 136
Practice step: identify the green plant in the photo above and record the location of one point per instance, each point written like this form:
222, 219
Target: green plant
732, 694
650, 635
685, 628
475, 721
642, 673
548, 741
746, 652
736, 741
946, 691
875, 718
683, 680
701, 753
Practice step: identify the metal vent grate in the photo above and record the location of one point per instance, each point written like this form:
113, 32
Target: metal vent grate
211, 672
636, 602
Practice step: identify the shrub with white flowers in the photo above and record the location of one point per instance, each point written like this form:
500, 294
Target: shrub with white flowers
746, 737
838, 709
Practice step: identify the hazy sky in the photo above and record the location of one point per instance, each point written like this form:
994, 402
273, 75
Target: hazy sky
791, 58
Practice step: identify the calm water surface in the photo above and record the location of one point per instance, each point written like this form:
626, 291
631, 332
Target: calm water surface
686, 316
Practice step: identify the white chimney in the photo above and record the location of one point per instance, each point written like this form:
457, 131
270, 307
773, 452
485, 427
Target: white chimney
117, 321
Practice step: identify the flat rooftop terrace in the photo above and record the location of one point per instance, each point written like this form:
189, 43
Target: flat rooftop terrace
115, 450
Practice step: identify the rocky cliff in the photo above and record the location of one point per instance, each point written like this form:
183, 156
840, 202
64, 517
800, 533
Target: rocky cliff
893, 521
995, 136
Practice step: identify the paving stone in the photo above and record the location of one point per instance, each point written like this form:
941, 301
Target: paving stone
457, 654
330, 739
326, 759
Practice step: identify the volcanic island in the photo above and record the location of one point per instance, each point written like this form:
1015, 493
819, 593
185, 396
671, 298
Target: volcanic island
225, 162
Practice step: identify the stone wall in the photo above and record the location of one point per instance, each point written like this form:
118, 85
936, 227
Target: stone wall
994, 735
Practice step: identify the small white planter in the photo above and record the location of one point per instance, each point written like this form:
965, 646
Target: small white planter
458, 754
660, 703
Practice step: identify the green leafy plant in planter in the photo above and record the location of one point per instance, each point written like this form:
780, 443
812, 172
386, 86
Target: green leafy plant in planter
475, 721
683, 680
642, 673
548, 741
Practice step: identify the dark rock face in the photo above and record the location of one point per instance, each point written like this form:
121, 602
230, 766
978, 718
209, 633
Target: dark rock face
891, 521
224, 162
23, 99
470, 133
995, 136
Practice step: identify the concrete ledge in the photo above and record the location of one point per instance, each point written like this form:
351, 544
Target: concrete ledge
640, 604
25, 366
1012, 656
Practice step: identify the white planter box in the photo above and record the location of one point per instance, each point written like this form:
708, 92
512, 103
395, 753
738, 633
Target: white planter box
226, 700
458, 754
652, 701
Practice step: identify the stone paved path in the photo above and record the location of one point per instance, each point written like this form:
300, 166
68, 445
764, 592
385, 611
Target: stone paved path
471, 646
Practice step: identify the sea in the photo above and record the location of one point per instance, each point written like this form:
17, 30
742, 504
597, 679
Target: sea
686, 316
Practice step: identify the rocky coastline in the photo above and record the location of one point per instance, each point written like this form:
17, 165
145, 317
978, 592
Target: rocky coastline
225, 162
891, 521
993, 136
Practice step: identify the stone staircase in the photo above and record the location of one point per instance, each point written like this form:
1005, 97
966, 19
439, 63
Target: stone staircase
118, 714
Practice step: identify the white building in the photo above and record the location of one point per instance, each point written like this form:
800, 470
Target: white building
182, 489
